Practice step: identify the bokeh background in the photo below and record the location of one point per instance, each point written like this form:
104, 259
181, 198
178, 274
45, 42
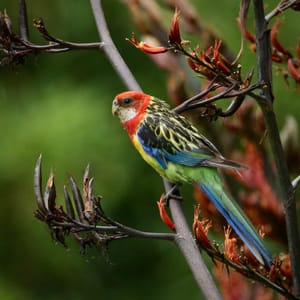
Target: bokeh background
60, 105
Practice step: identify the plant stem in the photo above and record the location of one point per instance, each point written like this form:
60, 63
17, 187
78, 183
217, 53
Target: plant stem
23, 23
264, 63
111, 50
189, 249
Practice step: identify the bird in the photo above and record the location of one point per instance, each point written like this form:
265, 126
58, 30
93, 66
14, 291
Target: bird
175, 148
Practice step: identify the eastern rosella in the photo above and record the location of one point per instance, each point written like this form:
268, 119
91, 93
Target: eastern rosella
177, 151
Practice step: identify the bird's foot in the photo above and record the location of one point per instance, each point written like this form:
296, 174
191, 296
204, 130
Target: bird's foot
172, 194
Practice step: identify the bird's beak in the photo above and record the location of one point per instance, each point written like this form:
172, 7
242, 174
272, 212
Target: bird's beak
115, 107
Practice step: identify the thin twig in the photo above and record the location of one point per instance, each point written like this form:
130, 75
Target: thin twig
129, 231
226, 93
182, 107
232, 107
60, 43
17, 46
282, 6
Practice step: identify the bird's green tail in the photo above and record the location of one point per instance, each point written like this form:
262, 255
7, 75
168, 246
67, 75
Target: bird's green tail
210, 182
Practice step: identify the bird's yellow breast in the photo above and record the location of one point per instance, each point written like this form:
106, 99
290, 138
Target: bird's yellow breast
150, 160
173, 172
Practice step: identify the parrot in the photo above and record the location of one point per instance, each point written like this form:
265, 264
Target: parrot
174, 147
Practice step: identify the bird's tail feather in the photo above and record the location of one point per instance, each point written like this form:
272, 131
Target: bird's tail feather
237, 220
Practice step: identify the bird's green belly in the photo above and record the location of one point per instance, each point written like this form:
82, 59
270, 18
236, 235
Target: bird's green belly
175, 173
178, 173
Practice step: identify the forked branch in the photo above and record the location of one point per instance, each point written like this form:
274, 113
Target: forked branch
83, 217
14, 48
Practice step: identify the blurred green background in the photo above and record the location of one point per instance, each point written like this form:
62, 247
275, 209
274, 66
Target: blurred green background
60, 105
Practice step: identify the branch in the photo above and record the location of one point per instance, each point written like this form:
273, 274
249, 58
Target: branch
111, 50
14, 48
183, 238
238, 96
91, 225
189, 249
282, 6
286, 189
23, 20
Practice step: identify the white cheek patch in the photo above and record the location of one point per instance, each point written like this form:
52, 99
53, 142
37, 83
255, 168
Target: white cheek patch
127, 114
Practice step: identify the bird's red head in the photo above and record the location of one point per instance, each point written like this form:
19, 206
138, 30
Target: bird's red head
130, 108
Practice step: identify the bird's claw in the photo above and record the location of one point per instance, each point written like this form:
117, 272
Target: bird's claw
172, 194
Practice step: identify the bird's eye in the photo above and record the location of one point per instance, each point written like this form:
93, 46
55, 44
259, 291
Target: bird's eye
127, 101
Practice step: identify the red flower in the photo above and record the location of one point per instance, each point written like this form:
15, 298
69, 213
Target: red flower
280, 52
149, 49
201, 228
163, 213
219, 60
247, 35
285, 267
230, 246
174, 35
294, 68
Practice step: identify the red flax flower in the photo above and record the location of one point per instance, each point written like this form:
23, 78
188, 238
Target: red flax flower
294, 68
210, 62
174, 35
247, 35
281, 271
146, 48
279, 54
236, 286
199, 64
201, 228
285, 267
230, 246
294, 65
163, 213
219, 60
